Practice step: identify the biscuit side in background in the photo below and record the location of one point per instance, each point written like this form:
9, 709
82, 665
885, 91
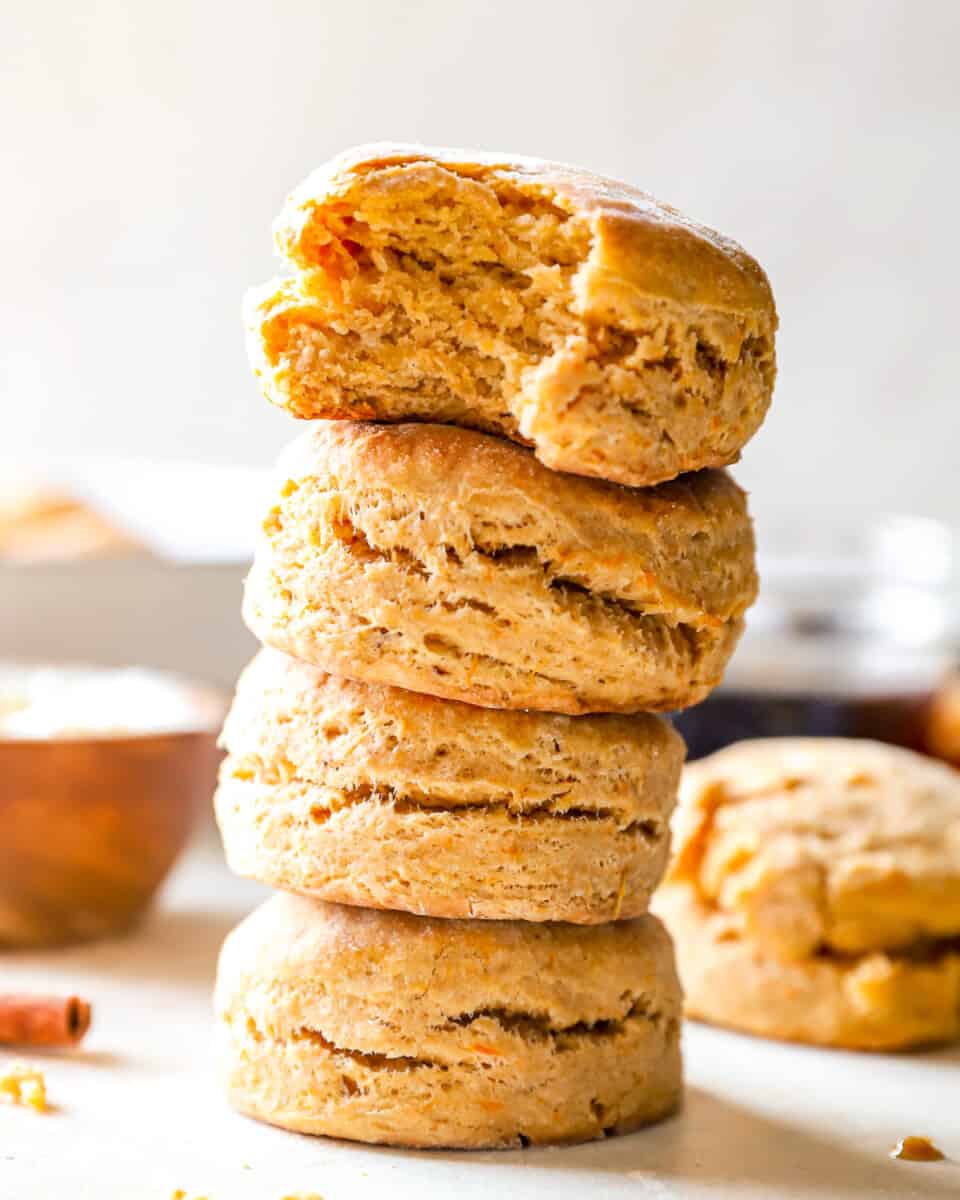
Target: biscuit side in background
573, 313
41, 524
875, 1001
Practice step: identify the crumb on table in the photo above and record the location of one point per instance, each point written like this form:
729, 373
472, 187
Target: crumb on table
180, 1194
24, 1085
917, 1149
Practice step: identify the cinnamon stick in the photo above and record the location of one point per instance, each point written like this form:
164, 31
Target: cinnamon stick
42, 1020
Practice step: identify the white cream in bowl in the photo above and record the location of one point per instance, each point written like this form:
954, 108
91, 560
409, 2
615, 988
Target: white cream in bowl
63, 702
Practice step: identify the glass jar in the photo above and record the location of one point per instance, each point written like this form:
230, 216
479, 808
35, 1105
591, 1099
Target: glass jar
851, 636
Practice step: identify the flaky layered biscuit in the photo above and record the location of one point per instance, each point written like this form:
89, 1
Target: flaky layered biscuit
379, 797
385, 1027
453, 563
573, 313
827, 868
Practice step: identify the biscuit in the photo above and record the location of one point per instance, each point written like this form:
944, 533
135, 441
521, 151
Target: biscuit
385, 1027
873, 1001
815, 892
38, 524
570, 312
823, 844
453, 563
383, 798
942, 732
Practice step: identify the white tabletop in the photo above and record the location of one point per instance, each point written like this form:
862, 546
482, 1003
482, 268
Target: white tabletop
138, 1112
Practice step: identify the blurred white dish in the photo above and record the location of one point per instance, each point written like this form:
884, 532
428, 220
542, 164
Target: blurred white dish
176, 608
191, 512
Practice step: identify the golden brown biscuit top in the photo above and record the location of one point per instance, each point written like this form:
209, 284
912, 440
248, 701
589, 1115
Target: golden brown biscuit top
637, 241
820, 844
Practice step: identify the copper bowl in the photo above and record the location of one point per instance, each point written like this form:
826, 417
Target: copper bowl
90, 827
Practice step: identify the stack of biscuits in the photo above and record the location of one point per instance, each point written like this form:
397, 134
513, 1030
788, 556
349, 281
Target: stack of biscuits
503, 545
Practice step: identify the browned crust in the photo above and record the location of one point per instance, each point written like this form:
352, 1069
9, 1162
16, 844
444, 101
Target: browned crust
654, 248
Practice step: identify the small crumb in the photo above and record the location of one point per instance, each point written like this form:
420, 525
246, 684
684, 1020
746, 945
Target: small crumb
916, 1149
24, 1085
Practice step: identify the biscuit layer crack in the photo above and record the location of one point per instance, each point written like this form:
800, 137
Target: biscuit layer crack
252, 770
537, 1027
576, 592
531, 1028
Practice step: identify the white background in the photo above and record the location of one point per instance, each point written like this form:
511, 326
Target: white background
147, 147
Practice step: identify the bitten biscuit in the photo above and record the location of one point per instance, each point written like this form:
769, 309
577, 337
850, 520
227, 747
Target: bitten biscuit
570, 312
385, 1027
383, 798
453, 563
815, 892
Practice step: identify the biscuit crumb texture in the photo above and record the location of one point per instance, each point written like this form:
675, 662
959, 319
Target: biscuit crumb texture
381, 797
563, 310
454, 564
384, 1027
815, 892
24, 1085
